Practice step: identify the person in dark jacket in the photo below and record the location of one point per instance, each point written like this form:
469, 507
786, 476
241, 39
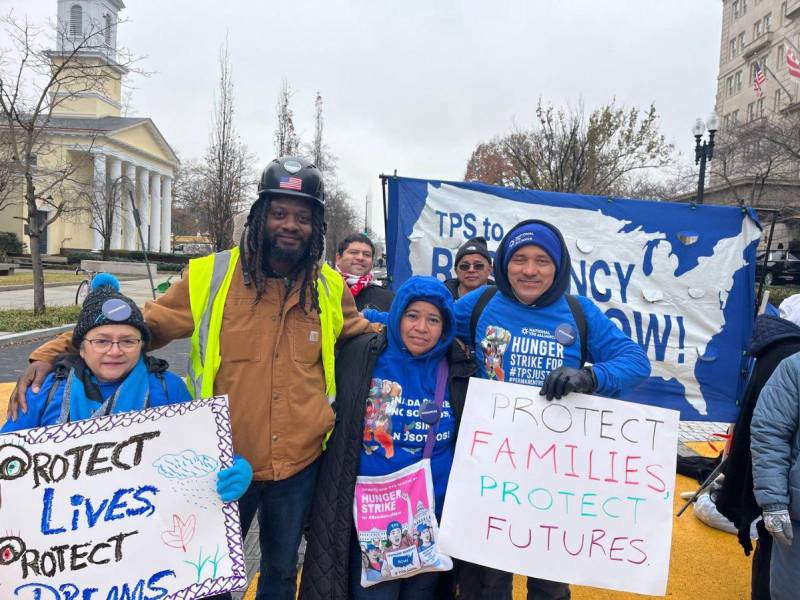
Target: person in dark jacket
473, 268
408, 355
354, 260
773, 340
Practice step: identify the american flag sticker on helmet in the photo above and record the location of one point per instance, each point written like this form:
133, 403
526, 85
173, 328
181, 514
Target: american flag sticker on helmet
291, 183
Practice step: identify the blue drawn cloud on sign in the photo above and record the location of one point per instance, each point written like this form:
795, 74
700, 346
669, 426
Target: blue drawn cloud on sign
186, 465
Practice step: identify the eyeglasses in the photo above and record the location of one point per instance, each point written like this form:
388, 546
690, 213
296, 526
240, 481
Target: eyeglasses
126, 345
465, 266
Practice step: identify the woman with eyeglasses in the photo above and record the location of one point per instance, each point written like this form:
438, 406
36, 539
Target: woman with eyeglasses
109, 372
473, 267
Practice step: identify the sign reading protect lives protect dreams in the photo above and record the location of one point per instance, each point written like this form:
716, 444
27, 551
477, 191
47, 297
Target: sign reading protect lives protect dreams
123, 506
578, 490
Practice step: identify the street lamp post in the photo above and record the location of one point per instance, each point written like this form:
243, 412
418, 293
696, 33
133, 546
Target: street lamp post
704, 151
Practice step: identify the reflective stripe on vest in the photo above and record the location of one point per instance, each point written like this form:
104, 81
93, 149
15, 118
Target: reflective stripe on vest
209, 281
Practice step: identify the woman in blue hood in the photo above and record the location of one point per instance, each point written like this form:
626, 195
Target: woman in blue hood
384, 383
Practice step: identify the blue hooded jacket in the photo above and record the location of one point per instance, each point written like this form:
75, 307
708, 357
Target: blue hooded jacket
394, 435
522, 343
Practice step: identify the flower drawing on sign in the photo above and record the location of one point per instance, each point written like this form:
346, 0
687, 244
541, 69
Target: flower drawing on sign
181, 533
186, 465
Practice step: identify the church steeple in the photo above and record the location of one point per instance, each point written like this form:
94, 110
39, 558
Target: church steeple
90, 25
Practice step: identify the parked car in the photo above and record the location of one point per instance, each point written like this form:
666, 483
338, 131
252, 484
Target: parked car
783, 267
193, 249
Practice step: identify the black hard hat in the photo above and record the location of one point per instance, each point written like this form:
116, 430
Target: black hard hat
292, 176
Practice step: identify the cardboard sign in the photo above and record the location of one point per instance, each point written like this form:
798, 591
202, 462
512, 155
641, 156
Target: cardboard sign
577, 490
123, 506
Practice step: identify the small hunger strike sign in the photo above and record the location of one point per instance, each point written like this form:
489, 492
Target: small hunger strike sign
120, 507
578, 490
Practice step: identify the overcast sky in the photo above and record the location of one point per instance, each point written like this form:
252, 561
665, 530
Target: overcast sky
412, 85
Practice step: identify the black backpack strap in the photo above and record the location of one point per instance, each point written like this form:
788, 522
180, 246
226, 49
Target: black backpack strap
580, 321
487, 295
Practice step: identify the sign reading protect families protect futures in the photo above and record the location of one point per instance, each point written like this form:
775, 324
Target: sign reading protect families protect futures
123, 506
578, 490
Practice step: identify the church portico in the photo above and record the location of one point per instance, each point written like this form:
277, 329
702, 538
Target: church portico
116, 175
106, 156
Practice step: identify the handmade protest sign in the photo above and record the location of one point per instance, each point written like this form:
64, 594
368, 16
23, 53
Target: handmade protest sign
123, 506
577, 490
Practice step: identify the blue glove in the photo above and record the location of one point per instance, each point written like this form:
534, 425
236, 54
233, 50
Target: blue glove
233, 482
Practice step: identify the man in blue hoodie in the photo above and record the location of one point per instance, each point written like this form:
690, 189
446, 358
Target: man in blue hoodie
530, 333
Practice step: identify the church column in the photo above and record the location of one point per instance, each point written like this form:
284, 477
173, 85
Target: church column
166, 214
116, 189
143, 202
130, 224
155, 212
98, 209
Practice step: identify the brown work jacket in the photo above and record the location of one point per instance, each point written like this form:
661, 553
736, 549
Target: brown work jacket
271, 369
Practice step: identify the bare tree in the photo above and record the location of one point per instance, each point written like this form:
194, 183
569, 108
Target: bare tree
9, 184
287, 142
189, 194
227, 173
103, 205
340, 217
568, 151
751, 155
34, 82
317, 148
489, 164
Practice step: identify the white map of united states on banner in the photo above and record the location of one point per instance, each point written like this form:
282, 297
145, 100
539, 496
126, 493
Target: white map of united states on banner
699, 295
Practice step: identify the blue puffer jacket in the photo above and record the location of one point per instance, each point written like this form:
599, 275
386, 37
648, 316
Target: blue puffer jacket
44, 407
775, 440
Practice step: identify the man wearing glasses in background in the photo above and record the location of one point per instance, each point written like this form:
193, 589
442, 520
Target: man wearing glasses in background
473, 267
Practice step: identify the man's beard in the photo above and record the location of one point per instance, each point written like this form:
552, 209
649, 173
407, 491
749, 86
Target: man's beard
294, 257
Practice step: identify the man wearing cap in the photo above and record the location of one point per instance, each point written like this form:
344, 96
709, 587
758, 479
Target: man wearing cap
540, 344
473, 267
264, 318
354, 260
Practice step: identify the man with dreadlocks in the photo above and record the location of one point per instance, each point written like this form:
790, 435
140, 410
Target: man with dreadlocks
264, 318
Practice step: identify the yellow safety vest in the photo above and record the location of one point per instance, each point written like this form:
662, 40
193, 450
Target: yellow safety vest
209, 282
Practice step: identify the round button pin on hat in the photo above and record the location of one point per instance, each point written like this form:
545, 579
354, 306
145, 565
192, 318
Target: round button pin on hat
116, 310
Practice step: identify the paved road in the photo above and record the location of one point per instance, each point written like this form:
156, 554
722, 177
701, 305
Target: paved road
137, 289
14, 356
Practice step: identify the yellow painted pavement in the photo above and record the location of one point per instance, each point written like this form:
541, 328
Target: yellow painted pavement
705, 562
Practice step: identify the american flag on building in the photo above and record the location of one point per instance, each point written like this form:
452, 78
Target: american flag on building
291, 183
758, 79
792, 63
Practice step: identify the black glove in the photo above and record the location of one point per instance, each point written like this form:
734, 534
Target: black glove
564, 380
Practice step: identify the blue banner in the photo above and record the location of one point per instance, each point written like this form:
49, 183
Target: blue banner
677, 278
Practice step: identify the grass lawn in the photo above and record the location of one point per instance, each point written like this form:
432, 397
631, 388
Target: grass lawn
26, 278
778, 294
22, 319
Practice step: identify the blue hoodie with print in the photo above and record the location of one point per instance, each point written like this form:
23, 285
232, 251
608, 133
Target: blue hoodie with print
521, 343
394, 435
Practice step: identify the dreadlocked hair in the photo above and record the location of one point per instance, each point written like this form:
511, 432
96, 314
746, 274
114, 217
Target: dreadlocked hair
256, 261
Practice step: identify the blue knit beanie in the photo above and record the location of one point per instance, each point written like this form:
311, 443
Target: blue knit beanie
533, 234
